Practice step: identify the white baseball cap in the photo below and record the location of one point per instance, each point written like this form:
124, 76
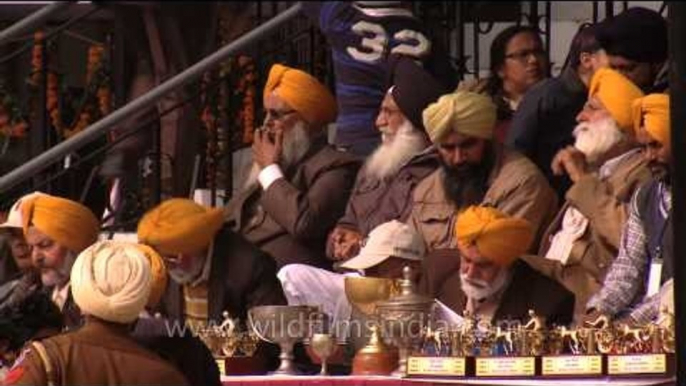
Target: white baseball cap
14, 215
392, 238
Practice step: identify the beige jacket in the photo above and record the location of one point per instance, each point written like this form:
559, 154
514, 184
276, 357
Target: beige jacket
604, 204
516, 187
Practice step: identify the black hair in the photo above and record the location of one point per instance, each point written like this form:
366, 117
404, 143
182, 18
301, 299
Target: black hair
583, 42
27, 310
498, 48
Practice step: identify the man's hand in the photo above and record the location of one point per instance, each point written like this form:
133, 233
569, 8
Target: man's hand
343, 243
571, 161
266, 151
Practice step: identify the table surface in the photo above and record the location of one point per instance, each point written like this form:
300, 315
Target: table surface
311, 380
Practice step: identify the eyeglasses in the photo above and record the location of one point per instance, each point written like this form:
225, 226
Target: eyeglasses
276, 115
523, 55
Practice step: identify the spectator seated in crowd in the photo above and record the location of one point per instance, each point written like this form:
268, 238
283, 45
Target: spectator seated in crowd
485, 277
474, 170
212, 268
111, 283
57, 230
299, 184
636, 45
546, 117
384, 186
517, 62
606, 166
390, 247
646, 250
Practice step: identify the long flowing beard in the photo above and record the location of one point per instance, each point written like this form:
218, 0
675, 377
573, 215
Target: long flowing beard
391, 155
296, 142
595, 139
58, 276
479, 289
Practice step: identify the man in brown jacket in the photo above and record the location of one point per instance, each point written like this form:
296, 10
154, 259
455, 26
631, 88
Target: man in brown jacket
383, 190
110, 282
606, 167
485, 277
299, 184
474, 170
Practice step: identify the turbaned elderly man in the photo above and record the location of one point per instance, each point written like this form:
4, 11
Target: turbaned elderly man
606, 166
645, 260
485, 276
474, 170
299, 184
57, 230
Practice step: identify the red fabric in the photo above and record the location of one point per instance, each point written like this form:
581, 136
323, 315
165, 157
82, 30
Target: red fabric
13, 375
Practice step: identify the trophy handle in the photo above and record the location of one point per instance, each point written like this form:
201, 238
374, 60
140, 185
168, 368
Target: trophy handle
252, 327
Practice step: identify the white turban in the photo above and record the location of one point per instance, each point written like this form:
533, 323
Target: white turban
111, 280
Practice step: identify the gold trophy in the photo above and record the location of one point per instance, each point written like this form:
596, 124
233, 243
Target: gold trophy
364, 294
323, 345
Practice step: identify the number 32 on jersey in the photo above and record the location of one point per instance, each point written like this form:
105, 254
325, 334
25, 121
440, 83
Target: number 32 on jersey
375, 42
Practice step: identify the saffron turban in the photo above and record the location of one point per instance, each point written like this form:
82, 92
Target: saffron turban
499, 238
111, 280
179, 225
617, 94
303, 92
463, 112
652, 112
158, 271
65, 221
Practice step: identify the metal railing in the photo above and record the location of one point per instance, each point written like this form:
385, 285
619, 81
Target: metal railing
149, 99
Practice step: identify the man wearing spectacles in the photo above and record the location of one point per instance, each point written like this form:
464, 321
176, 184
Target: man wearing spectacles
299, 184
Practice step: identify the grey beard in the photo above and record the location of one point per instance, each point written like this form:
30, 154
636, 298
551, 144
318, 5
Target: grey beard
296, 143
388, 158
479, 292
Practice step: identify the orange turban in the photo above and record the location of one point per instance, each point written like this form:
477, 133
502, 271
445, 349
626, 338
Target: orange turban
499, 238
179, 225
302, 92
652, 112
65, 221
158, 271
617, 94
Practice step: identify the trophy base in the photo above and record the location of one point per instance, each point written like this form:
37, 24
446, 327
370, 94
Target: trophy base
241, 365
642, 365
572, 366
507, 367
436, 367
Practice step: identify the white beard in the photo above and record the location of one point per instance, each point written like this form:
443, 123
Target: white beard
185, 277
595, 139
296, 142
478, 289
395, 151
59, 276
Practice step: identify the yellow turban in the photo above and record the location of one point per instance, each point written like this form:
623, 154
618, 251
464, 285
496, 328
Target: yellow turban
159, 274
302, 92
463, 112
617, 94
111, 280
652, 111
65, 221
499, 238
179, 225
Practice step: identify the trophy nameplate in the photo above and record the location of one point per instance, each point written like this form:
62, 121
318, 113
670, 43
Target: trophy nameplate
436, 366
506, 367
572, 365
637, 364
